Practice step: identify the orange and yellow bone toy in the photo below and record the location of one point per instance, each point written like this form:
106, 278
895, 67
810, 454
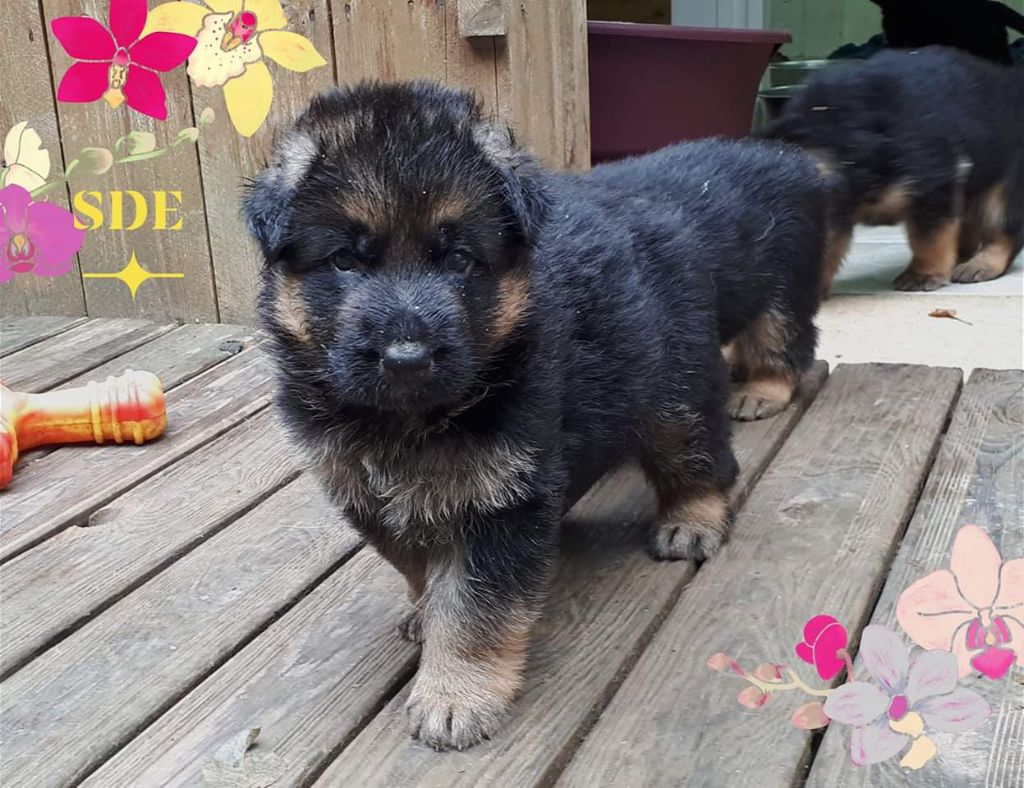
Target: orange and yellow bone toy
126, 408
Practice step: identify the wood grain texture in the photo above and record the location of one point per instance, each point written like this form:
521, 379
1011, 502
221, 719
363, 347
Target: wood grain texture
471, 62
608, 599
482, 18
412, 48
26, 95
65, 580
64, 356
72, 707
17, 333
543, 82
815, 535
978, 478
228, 159
169, 251
311, 678
62, 488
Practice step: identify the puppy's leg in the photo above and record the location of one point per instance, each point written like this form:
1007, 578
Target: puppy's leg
691, 465
413, 565
837, 245
770, 355
935, 243
481, 601
1001, 234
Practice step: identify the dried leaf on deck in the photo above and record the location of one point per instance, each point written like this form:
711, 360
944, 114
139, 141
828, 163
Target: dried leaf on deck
950, 313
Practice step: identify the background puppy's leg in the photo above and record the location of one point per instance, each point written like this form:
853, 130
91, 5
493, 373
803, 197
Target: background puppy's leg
481, 601
837, 245
691, 466
769, 357
933, 229
1001, 218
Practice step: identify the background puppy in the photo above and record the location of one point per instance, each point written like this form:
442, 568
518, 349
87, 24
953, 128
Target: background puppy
464, 341
761, 208
932, 138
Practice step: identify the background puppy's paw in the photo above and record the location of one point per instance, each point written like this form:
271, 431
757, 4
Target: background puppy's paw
911, 280
453, 720
411, 628
978, 269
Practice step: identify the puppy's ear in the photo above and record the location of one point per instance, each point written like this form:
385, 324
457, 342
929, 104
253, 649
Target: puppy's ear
524, 192
267, 206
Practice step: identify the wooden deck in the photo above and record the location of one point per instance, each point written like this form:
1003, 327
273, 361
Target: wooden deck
159, 603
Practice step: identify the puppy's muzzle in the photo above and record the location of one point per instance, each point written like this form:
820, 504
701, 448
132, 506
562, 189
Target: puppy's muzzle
406, 359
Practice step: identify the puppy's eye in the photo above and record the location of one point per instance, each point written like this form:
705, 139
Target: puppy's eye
458, 262
344, 263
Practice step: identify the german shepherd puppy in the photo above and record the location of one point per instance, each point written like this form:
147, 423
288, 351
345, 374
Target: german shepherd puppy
933, 138
464, 342
769, 200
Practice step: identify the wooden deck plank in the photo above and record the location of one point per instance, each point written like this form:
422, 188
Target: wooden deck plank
346, 672
815, 536
20, 332
72, 707
62, 357
608, 599
60, 583
62, 488
978, 478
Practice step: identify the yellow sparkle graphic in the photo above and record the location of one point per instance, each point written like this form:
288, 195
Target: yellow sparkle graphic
133, 275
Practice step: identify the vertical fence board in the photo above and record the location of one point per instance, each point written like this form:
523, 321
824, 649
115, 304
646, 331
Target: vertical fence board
470, 61
543, 84
228, 159
26, 95
389, 39
168, 251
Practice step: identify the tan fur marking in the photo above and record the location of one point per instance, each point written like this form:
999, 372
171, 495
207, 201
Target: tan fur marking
991, 261
759, 347
993, 211
890, 207
762, 396
290, 309
823, 165
513, 301
836, 247
935, 252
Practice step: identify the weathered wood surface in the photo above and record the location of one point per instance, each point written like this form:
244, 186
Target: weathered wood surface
17, 333
68, 354
482, 18
65, 580
76, 704
978, 478
26, 97
159, 251
62, 488
815, 535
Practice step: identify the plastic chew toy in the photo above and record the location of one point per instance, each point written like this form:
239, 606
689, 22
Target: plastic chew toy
126, 408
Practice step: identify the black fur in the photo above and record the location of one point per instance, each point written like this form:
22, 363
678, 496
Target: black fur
569, 322
934, 138
975, 26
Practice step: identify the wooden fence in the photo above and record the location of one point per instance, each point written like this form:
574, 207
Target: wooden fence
534, 75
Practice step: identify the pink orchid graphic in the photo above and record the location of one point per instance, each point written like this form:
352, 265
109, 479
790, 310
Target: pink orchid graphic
116, 64
35, 237
824, 646
891, 716
974, 609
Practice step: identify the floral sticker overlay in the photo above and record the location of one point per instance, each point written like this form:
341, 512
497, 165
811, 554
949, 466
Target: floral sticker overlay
968, 621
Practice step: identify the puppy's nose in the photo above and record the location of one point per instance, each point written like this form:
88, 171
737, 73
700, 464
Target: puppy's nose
404, 357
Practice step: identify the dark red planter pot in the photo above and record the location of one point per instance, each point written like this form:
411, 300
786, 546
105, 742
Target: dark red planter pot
651, 85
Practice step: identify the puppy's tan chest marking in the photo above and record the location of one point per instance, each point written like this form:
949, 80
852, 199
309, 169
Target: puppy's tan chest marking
423, 493
890, 207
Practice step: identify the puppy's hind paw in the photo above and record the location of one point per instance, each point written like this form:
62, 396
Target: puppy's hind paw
695, 530
913, 281
760, 398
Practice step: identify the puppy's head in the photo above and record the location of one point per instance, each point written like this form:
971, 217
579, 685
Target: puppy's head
396, 226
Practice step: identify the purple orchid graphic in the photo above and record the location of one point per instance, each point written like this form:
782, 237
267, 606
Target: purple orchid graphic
35, 237
910, 697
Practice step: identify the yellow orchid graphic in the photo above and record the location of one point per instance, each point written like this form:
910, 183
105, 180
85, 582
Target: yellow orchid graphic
233, 37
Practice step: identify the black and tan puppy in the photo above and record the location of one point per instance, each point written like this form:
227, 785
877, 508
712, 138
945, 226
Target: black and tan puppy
933, 138
463, 342
769, 200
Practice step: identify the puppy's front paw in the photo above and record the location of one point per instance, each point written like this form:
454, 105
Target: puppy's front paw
453, 718
760, 398
694, 530
911, 280
411, 627
980, 268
